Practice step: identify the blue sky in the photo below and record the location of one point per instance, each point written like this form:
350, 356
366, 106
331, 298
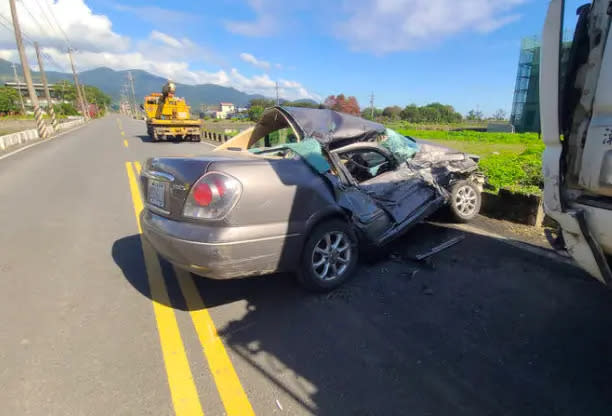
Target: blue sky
462, 53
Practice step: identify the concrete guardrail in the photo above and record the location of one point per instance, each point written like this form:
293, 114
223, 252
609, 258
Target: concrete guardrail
25, 136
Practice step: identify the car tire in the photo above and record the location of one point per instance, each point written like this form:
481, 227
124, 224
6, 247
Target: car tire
329, 256
465, 201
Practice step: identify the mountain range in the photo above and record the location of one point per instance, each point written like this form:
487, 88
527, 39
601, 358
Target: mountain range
111, 82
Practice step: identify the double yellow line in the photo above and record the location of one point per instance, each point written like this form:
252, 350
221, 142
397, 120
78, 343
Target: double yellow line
180, 379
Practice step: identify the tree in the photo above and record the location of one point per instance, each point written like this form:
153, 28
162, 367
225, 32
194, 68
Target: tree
9, 99
411, 113
255, 112
474, 115
308, 104
367, 113
65, 90
262, 102
430, 114
65, 109
341, 103
499, 115
392, 112
94, 95
446, 113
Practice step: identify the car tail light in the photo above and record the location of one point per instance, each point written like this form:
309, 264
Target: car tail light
212, 196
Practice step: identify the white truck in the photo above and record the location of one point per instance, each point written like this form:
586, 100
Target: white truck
576, 120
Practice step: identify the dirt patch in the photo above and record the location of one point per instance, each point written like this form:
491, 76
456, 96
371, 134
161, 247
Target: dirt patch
13, 126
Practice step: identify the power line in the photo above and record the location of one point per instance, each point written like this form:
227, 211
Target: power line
28, 38
45, 15
23, 3
9, 26
54, 19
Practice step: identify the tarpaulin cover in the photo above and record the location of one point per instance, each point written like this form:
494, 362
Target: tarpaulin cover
402, 147
328, 126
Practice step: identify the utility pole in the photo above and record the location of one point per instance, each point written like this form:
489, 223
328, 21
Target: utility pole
372, 105
85, 99
40, 123
18, 88
277, 98
76, 85
46, 87
131, 79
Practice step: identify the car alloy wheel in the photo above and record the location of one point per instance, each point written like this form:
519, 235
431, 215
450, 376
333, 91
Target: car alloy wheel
466, 200
331, 255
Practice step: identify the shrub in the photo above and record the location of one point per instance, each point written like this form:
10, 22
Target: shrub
520, 173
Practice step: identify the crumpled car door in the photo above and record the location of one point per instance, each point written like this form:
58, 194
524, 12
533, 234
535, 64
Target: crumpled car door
403, 194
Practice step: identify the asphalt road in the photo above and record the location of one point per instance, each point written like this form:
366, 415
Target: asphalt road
93, 323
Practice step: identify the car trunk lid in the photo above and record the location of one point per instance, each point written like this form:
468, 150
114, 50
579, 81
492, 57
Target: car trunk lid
166, 181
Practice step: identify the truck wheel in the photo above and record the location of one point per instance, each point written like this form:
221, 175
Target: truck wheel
465, 201
329, 256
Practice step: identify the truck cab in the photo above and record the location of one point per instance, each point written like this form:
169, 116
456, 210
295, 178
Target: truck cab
576, 121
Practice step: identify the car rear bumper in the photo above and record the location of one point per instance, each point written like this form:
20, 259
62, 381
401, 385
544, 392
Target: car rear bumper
215, 258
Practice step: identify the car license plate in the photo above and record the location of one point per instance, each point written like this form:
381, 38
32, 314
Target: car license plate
156, 193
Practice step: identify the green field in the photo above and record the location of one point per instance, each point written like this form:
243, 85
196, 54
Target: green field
510, 160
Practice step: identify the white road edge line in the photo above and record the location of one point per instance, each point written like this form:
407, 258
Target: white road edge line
42, 141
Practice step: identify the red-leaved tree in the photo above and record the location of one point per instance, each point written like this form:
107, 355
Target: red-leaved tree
343, 104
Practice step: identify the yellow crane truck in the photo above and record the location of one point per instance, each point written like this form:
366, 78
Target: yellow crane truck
168, 117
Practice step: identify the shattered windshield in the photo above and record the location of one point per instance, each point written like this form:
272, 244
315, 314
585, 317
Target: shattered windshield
402, 147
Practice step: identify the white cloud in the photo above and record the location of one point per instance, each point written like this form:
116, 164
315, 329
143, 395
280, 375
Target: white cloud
247, 57
86, 30
98, 45
265, 23
167, 39
383, 26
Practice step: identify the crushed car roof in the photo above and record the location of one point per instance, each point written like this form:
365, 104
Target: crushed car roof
328, 126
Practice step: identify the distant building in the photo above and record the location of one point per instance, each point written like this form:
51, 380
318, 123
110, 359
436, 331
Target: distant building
225, 109
54, 90
526, 103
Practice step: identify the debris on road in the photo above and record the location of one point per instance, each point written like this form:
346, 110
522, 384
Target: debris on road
427, 290
439, 248
409, 274
279, 405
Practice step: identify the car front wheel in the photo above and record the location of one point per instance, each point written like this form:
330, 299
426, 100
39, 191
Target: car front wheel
465, 201
329, 257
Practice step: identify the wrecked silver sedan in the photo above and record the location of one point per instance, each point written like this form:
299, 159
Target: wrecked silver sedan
303, 191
